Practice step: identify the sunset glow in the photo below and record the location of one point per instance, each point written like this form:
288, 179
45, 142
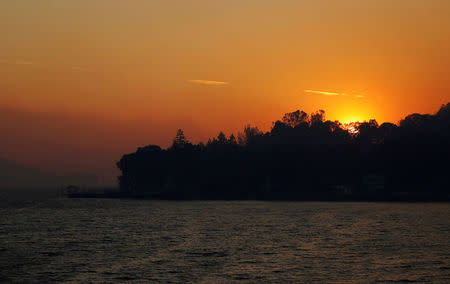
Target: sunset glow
213, 141
352, 129
76, 75
350, 119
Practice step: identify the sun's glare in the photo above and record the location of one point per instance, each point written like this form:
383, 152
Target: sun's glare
351, 124
351, 128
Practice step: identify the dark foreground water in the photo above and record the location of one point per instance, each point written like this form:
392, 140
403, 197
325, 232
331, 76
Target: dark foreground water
69, 241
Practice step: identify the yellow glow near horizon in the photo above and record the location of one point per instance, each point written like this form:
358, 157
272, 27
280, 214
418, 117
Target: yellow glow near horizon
207, 66
350, 119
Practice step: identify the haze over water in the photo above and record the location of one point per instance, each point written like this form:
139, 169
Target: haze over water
101, 240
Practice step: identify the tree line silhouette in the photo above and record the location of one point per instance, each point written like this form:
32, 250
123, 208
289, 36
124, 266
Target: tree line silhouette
302, 157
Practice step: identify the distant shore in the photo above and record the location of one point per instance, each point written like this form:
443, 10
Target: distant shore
363, 197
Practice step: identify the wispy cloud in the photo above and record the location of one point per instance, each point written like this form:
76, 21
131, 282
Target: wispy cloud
324, 93
333, 94
209, 83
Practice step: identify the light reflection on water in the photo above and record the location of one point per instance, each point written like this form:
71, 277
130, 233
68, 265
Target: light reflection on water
84, 240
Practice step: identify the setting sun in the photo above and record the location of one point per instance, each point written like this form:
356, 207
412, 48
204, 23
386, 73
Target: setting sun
82, 75
351, 127
212, 141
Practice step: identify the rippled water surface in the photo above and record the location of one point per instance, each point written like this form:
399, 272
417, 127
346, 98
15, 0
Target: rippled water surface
89, 240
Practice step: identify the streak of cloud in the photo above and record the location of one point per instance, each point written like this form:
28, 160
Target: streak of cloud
333, 94
209, 83
324, 93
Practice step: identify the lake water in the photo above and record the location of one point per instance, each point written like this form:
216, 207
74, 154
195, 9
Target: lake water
137, 241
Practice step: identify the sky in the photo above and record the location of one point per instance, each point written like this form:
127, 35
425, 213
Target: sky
83, 82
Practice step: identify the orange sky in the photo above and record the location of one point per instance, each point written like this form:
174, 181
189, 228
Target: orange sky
82, 82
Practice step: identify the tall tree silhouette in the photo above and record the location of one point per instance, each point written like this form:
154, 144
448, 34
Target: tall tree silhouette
301, 157
180, 140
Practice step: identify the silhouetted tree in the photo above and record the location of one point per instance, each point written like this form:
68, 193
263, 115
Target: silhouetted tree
232, 140
179, 140
317, 117
222, 139
301, 157
295, 118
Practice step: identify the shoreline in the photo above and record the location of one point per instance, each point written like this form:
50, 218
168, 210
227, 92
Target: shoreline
306, 198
